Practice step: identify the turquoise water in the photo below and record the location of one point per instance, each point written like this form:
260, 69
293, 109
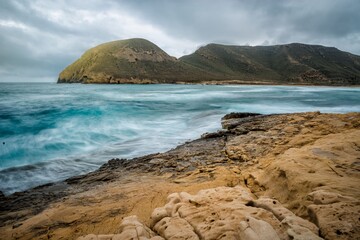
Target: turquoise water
49, 132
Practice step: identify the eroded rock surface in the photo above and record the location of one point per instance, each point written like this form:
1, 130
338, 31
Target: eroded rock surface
219, 213
307, 163
336, 215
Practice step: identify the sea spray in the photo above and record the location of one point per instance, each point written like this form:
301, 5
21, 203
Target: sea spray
50, 132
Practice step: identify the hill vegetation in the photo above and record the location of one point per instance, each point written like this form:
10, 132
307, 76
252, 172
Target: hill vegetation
141, 61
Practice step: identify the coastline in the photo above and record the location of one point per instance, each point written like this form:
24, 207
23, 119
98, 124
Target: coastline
289, 157
210, 82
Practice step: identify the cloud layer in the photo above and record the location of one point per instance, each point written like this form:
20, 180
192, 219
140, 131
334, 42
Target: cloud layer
38, 38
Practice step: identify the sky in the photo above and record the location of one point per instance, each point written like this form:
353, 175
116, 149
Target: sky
39, 38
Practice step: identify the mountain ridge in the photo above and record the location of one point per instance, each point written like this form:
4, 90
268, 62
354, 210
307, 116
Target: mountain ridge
141, 61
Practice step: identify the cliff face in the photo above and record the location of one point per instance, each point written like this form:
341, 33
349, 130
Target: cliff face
286, 176
140, 61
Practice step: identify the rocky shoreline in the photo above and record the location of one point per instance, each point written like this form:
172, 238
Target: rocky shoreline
285, 176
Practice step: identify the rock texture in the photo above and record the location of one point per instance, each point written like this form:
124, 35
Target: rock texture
218, 213
286, 176
332, 211
228, 213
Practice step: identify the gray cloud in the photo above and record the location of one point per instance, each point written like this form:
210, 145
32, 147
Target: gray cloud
39, 38
253, 21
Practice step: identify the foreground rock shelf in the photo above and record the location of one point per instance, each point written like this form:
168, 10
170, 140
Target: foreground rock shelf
287, 176
217, 213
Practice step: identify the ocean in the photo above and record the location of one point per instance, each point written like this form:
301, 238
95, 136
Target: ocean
49, 132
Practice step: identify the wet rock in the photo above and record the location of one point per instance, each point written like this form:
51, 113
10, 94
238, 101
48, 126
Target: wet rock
239, 115
232, 120
114, 163
214, 135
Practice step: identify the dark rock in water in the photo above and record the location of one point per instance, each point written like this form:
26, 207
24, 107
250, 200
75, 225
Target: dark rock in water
232, 120
214, 135
239, 115
114, 163
75, 179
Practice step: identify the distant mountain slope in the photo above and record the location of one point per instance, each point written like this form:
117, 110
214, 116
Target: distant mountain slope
140, 61
291, 63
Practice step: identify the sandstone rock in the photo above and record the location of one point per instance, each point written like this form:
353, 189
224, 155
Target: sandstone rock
284, 215
323, 197
130, 228
228, 213
308, 161
175, 228
217, 213
97, 237
336, 215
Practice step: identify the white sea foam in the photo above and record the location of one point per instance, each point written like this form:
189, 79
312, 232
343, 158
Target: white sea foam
52, 132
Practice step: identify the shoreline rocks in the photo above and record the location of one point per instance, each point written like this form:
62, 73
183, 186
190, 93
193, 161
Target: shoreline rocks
290, 175
217, 213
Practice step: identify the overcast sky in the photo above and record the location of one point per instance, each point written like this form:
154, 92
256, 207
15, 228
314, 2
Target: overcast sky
38, 38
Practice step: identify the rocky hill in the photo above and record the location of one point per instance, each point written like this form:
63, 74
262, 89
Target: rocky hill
291, 63
127, 61
140, 61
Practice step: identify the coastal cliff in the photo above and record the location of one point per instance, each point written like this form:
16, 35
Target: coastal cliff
139, 61
283, 176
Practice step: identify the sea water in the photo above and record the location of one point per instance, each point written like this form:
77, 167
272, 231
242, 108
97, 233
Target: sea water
49, 132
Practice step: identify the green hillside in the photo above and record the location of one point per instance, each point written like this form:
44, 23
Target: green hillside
128, 61
140, 61
291, 63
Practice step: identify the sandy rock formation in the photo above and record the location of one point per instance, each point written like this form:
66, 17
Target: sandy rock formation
130, 228
332, 211
218, 213
308, 162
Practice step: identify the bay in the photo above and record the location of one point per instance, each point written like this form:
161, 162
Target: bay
49, 132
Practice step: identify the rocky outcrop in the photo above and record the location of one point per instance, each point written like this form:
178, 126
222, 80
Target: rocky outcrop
130, 228
131, 61
229, 213
218, 213
286, 176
